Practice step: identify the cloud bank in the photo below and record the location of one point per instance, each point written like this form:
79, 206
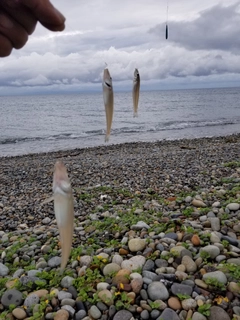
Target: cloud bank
202, 49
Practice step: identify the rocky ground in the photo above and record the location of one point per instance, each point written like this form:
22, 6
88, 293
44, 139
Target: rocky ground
157, 233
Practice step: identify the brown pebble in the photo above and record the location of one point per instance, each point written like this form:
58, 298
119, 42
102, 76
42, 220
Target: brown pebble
19, 313
41, 293
122, 276
137, 285
174, 303
195, 240
123, 252
54, 302
131, 296
61, 315
202, 271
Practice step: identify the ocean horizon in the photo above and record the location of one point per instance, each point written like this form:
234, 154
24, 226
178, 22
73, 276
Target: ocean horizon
45, 123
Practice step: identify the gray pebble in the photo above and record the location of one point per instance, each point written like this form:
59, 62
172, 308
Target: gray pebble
123, 314
54, 262
144, 315
154, 314
68, 302
67, 282
94, 312
70, 310
3, 270
12, 296
177, 288
80, 315
168, 314
64, 295
31, 300
218, 313
157, 291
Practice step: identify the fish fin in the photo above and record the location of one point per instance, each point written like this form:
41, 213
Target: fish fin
135, 114
48, 200
107, 137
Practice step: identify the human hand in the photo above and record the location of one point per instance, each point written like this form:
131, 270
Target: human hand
18, 19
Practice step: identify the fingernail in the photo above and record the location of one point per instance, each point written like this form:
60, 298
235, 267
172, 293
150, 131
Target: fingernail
6, 22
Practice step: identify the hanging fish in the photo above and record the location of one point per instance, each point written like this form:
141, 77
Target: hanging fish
64, 209
166, 31
108, 101
135, 92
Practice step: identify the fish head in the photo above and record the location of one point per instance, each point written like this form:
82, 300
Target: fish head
61, 182
107, 80
136, 75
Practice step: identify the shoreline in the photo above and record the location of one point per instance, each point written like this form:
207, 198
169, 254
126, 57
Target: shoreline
164, 142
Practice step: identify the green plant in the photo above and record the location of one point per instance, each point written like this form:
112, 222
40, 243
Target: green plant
11, 307
88, 283
188, 212
205, 309
224, 216
232, 164
214, 282
123, 301
232, 269
225, 243
154, 304
4, 314
3, 282
40, 312
183, 296
205, 256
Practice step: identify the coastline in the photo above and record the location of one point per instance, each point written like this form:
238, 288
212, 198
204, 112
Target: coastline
134, 204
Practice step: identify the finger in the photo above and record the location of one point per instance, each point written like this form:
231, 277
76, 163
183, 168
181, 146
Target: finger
21, 14
5, 47
46, 13
13, 31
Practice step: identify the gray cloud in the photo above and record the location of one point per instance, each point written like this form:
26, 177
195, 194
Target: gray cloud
215, 28
200, 51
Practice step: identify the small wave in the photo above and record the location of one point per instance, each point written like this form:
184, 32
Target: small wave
143, 128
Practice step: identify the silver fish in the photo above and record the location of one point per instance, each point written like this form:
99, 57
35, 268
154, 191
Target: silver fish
108, 100
135, 92
64, 209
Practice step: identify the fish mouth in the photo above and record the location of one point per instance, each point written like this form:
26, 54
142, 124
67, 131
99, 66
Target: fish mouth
108, 84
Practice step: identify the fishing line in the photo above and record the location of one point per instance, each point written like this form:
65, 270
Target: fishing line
166, 32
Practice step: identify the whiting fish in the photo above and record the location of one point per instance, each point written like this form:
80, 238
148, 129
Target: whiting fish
135, 92
64, 210
108, 100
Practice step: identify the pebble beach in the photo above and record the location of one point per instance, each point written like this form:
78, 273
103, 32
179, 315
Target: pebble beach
156, 233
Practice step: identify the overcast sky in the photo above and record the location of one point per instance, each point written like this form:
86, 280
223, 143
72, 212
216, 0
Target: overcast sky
202, 50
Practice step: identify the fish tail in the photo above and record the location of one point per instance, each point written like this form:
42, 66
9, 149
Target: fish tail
66, 234
135, 114
107, 137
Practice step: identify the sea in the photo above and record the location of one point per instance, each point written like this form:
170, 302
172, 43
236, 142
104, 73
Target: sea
43, 123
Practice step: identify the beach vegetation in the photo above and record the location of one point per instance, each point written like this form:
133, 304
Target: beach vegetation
155, 304
215, 283
205, 309
205, 256
183, 296
232, 164
188, 212
122, 300
230, 269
